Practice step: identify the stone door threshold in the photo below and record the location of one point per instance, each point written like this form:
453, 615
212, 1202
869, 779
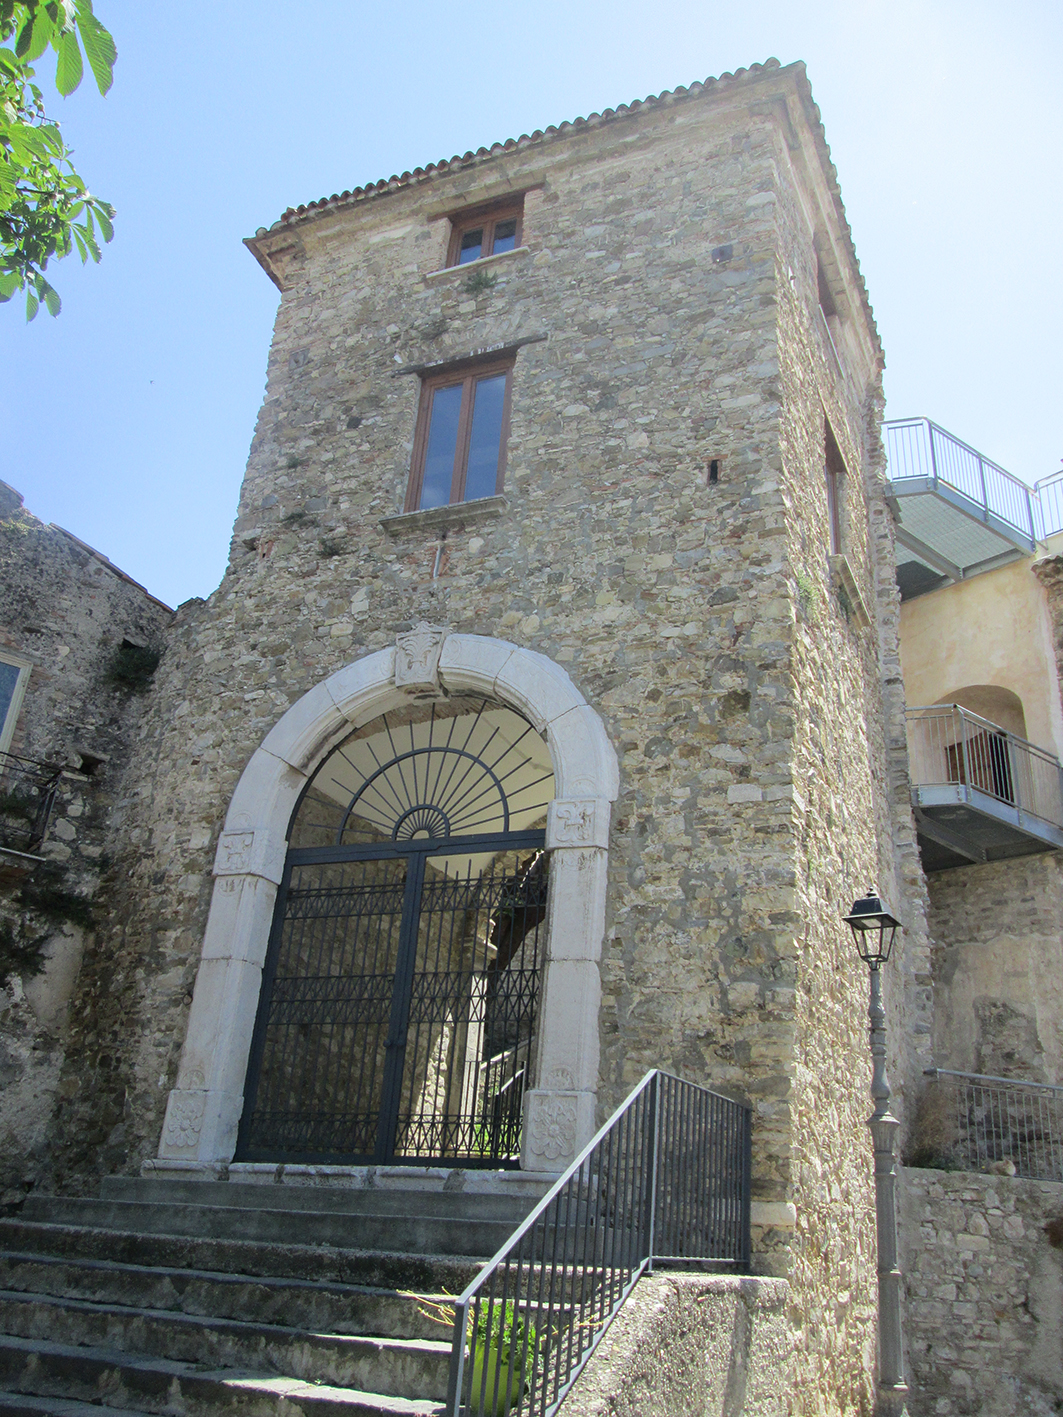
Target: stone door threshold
393, 1178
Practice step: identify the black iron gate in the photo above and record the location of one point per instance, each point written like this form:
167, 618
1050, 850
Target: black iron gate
398, 1007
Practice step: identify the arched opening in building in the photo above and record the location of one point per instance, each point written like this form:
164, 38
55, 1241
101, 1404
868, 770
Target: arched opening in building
977, 750
400, 993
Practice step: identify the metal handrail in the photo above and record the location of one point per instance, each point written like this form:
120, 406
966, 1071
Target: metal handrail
27, 795
667, 1178
919, 448
993, 1120
1048, 492
948, 745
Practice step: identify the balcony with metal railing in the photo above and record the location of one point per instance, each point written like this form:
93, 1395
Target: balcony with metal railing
979, 792
978, 1123
959, 513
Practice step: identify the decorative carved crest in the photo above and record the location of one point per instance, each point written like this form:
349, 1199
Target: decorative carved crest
185, 1121
553, 1128
417, 658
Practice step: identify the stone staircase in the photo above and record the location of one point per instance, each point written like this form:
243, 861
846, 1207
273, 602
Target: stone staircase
185, 1297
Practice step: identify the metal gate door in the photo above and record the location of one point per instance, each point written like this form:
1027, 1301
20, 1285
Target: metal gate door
398, 1008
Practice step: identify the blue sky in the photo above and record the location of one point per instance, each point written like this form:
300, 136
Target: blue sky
127, 420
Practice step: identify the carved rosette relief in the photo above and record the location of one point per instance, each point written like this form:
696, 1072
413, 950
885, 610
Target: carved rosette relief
185, 1120
553, 1128
417, 658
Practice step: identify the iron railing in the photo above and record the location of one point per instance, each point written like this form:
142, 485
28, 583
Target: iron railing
27, 795
988, 1121
1048, 492
918, 448
950, 745
665, 1180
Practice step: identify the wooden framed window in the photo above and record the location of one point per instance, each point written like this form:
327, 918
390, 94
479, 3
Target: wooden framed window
834, 467
459, 450
487, 231
14, 674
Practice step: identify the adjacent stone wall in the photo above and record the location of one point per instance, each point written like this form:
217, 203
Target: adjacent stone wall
998, 968
983, 1263
688, 1345
65, 610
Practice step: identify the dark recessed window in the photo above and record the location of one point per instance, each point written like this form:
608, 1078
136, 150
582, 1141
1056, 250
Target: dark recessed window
459, 451
485, 232
834, 467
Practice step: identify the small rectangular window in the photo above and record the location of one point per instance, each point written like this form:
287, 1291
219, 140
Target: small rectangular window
486, 231
834, 467
460, 444
13, 676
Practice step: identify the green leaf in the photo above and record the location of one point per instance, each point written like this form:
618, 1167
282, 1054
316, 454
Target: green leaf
99, 46
69, 68
35, 36
9, 283
32, 306
104, 212
51, 299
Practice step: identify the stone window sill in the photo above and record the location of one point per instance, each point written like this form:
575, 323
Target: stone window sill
842, 575
485, 263
457, 515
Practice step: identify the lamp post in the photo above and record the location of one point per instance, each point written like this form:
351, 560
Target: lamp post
873, 930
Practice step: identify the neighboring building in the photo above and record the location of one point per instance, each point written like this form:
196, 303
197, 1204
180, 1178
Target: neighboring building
979, 626
548, 719
78, 639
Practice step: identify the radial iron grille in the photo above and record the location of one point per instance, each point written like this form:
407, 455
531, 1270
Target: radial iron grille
431, 774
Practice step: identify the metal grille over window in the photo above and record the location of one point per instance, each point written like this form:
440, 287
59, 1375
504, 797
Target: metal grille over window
401, 989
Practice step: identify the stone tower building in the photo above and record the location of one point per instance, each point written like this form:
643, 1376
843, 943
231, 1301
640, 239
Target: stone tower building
567, 490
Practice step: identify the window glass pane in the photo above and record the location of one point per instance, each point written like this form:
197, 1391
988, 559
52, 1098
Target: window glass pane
442, 443
471, 246
481, 479
505, 236
8, 679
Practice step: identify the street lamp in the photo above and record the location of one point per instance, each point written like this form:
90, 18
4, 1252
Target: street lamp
873, 930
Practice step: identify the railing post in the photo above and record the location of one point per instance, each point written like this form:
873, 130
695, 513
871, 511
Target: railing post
966, 756
654, 1132
747, 1187
457, 1359
933, 454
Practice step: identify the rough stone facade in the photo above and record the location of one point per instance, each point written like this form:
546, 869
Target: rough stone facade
65, 612
984, 1268
998, 968
665, 314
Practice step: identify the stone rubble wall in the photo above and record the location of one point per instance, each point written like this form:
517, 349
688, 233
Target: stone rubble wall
998, 968
983, 1265
688, 1345
66, 611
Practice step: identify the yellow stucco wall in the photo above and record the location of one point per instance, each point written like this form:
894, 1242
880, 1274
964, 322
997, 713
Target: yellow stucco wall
993, 629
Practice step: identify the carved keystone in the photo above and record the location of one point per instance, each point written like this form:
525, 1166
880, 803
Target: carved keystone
417, 659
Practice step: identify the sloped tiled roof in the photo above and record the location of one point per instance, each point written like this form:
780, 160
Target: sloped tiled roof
309, 210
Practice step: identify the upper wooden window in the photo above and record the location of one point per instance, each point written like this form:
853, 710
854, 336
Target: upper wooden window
488, 231
459, 450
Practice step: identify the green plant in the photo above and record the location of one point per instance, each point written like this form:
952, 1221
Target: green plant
19, 954
806, 592
131, 667
331, 546
17, 804
478, 281
505, 1346
845, 603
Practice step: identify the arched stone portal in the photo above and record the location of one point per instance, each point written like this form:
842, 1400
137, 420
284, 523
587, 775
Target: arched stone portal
204, 1109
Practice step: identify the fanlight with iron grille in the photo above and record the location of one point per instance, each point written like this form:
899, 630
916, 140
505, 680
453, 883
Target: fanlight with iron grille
462, 768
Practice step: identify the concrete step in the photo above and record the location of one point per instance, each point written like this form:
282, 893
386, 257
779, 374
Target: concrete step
410, 1234
410, 1368
422, 1274
326, 1200
85, 1374
22, 1404
312, 1304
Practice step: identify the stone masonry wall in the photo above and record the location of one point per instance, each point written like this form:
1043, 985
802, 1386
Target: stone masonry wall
66, 611
998, 968
983, 1264
666, 314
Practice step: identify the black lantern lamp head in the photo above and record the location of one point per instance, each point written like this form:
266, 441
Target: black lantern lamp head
873, 929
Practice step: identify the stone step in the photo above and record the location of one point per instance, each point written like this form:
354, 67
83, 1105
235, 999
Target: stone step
422, 1235
166, 1386
24, 1404
300, 1303
394, 1367
422, 1274
510, 1207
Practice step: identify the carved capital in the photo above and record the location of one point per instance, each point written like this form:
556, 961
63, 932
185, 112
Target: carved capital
577, 822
